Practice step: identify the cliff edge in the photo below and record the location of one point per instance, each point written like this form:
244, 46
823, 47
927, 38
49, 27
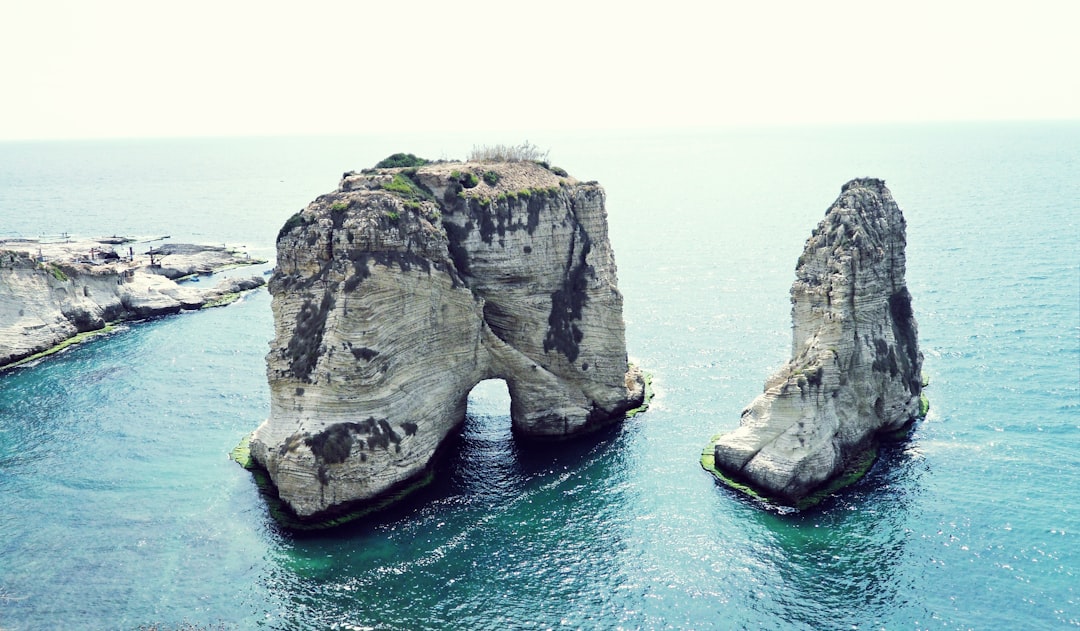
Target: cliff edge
51, 292
397, 293
855, 368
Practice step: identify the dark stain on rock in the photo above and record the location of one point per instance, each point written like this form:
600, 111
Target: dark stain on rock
303, 348
405, 261
334, 444
881, 355
567, 302
338, 212
537, 203
291, 444
903, 323
450, 197
456, 236
364, 353
282, 282
487, 223
360, 269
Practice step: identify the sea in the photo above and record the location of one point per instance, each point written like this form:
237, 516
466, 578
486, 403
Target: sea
120, 508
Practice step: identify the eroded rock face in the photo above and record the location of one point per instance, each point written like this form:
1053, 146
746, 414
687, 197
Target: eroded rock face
855, 369
399, 292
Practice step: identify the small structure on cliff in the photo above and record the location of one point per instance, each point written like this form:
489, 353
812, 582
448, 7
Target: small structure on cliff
397, 293
855, 368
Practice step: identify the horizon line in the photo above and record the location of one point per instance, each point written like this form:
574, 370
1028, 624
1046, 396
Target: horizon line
733, 127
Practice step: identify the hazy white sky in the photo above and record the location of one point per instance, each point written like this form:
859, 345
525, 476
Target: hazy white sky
119, 68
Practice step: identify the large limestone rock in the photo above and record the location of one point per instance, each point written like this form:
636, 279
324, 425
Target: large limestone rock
399, 292
855, 369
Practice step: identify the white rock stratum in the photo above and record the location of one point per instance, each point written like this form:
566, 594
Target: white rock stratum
855, 370
397, 293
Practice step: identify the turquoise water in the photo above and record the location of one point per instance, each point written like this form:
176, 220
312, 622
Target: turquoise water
120, 507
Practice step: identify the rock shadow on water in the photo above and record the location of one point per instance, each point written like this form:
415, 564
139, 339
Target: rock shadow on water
483, 465
843, 561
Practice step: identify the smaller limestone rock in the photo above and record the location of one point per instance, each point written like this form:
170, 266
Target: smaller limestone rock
855, 370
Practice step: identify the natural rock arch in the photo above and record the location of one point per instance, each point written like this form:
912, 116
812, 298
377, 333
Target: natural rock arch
398, 293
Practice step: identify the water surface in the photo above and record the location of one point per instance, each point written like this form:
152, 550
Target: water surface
121, 508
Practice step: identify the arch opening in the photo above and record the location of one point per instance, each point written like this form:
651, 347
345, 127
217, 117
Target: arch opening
485, 465
489, 399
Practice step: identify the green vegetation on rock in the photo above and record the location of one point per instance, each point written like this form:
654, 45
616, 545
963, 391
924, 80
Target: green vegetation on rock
647, 376
404, 186
58, 273
401, 160
221, 301
466, 179
241, 453
852, 473
291, 223
71, 341
924, 403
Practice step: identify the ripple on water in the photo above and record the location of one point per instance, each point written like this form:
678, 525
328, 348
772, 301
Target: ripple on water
121, 508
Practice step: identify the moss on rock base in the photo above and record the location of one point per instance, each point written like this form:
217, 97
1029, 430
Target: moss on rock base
852, 473
285, 517
78, 338
648, 395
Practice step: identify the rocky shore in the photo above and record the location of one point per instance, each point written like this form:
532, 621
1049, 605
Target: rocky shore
52, 291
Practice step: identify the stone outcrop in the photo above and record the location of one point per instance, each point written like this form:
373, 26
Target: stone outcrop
855, 370
397, 293
52, 292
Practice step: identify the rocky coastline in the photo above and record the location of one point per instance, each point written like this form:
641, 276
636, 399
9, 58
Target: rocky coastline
54, 292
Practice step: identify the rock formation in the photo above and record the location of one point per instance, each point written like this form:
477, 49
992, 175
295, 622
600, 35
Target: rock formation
52, 292
397, 293
855, 370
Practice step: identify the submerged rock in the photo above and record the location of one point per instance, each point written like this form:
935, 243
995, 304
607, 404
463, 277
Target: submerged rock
855, 370
397, 293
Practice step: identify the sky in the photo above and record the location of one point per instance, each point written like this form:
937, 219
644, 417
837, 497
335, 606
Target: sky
147, 68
